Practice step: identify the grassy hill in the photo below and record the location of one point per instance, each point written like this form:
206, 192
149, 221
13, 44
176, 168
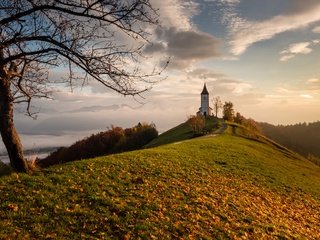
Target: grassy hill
213, 187
182, 132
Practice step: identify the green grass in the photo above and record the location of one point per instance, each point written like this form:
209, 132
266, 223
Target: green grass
182, 132
221, 187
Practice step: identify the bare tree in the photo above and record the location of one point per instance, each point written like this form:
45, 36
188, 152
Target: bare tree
87, 37
217, 105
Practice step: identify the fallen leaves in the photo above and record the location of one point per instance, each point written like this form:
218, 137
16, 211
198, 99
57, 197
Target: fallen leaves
13, 207
183, 195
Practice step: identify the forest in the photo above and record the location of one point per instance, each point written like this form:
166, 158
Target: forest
303, 138
114, 140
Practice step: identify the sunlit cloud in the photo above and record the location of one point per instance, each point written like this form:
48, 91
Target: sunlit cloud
243, 33
293, 94
176, 13
285, 58
228, 2
284, 90
313, 80
294, 49
237, 87
308, 96
313, 84
204, 73
316, 29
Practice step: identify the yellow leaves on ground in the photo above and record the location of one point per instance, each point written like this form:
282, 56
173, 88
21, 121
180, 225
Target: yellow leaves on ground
234, 207
176, 192
13, 207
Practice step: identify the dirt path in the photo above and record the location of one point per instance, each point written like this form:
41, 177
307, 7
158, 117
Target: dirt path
220, 130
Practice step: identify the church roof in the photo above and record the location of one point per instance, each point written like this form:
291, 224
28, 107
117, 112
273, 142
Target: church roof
204, 90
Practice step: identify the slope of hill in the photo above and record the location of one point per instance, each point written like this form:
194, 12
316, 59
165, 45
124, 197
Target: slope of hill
182, 132
212, 187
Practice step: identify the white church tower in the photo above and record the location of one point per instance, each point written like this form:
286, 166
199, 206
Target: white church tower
205, 109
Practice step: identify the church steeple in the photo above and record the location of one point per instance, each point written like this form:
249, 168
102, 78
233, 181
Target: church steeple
204, 109
204, 90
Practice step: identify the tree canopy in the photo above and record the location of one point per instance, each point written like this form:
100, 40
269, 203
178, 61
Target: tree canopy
228, 111
97, 40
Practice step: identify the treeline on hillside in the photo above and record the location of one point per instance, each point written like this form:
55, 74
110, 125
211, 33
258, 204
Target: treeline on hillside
303, 138
230, 115
114, 140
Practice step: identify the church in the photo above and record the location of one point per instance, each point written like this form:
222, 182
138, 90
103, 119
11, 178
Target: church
205, 109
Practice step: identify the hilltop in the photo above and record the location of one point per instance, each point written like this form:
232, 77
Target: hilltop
234, 185
184, 132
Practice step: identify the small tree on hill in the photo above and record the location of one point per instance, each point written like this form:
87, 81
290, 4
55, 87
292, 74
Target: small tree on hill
252, 125
197, 123
82, 35
228, 111
239, 118
247, 122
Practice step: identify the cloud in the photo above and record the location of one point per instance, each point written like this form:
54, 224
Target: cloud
316, 29
230, 1
293, 94
313, 80
243, 33
189, 45
235, 87
249, 99
176, 13
307, 96
178, 38
313, 84
155, 47
286, 57
298, 6
184, 46
220, 83
230, 87
204, 73
97, 108
296, 48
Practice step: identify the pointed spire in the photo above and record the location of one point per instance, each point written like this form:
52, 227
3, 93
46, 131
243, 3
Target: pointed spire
204, 91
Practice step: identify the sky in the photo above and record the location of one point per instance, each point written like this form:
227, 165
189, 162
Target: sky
261, 55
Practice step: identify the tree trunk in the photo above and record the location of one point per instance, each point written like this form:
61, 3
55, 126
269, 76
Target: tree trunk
8, 131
